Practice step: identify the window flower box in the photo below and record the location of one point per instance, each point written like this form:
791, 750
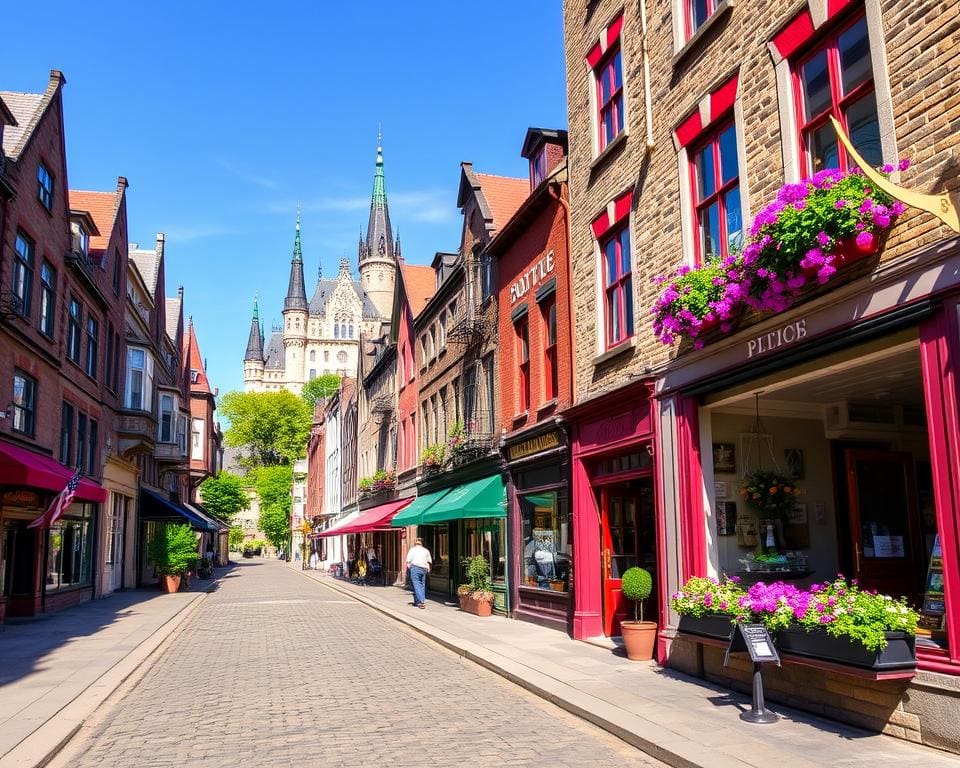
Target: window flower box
899, 653
717, 627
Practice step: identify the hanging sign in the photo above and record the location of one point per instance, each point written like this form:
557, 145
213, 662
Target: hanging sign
534, 445
20, 499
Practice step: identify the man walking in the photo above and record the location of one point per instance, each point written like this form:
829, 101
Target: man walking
418, 563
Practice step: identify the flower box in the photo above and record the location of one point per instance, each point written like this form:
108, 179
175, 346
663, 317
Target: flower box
900, 652
713, 626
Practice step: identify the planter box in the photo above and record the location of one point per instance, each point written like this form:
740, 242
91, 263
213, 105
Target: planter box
716, 627
900, 652
470, 604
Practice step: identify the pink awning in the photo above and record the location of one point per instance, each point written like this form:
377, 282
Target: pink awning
19, 466
376, 519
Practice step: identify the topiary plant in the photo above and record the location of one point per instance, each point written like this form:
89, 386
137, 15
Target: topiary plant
636, 584
174, 550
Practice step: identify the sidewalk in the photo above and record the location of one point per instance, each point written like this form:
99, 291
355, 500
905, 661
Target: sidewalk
681, 720
57, 669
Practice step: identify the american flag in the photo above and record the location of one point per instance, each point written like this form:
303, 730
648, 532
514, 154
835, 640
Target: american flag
59, 504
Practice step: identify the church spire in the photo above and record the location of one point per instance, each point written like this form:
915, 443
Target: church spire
296, 292
255, 341
379, 241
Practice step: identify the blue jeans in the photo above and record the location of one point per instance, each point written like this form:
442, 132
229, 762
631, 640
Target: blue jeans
418, 576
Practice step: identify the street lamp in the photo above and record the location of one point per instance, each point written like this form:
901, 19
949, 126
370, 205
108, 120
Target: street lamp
305, 529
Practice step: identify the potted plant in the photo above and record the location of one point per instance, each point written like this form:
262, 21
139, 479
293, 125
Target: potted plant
476, 596
697, 301
456, 438
639, 636
174, 552
433, 456
708, 607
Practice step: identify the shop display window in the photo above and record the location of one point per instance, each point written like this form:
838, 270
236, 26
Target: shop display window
486, 537
546, 537
69, 549
436, 538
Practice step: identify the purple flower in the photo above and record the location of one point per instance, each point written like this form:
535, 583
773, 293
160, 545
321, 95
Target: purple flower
864, 241
840, 204
823, 238
903, 164
881, 220
708, 600
897, 208
866, 206
826, 619
825, 273
800, 205
887, 168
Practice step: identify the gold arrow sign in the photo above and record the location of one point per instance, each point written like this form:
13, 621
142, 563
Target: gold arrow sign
940, 205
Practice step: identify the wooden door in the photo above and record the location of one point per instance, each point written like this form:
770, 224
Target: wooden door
619, 541
884, 526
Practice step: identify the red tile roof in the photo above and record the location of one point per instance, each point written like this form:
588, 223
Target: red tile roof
420, 283
202, 384
504, 195
102, 207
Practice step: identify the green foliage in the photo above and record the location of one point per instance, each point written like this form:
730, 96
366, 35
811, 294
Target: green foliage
770, 493
636, 584
274, 425
273, 485
478, 575
224, 495
173, 550
320, 388
433, 455
236, 538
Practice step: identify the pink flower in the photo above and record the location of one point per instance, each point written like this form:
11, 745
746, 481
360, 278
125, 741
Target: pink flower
823, 238
897, 208
864, 241
903, 164
840, 204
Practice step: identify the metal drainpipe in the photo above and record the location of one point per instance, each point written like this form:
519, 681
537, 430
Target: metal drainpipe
645, 54
569, 288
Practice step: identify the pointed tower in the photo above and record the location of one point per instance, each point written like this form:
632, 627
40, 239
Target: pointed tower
378, 263
295, 308
253, 359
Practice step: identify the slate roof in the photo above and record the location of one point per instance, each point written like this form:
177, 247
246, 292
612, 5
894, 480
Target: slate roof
504, 195
102, 207
273, 356
325, 289
26, 108
173, 317
148, 266
420, 283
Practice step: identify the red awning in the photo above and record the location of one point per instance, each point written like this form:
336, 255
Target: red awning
19, 466
376, 519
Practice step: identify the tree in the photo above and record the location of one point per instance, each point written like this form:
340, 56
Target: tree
273, 486
319, 388
224, 495
236, 538
275, 426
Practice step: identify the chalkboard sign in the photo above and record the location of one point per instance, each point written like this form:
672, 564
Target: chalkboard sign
755, 640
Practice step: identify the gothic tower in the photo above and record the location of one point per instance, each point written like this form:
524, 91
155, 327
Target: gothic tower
295, 310
253, 359
378, 252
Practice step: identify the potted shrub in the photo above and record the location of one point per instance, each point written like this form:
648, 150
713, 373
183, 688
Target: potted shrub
639, 636
433, 456
173, 552
709, 608
476, 596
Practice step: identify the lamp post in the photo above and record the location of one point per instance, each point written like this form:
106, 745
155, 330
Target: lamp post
305, 529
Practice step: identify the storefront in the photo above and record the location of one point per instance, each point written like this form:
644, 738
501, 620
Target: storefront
156, 510
852, 398
44, 569
615, 523
117, 527
372, 543
541, 530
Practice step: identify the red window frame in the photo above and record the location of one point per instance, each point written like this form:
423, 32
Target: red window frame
617, 287
609, 66
700, 206
550, 374
688, 7
522, 328
839, 102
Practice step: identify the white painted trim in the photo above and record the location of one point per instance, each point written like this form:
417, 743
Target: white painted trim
789, 141
687, 245
818, 12
670, 485
738, 127
678, 18
881, 81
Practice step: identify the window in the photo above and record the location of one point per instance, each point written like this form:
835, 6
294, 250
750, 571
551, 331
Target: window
433, 342
486, 275
166, 418
351, 330
93, 463
182, 434
618, 287
442, 336
24, 403
116, 271
66, 433
546, 536
326, 355
550, 375
115, 533
538, 167
81, 462
23, 274
44, 186
716, 194
70, 549
116, 362
93, 336
697, 12
75, 331
522, 328
79, 239
341, 356
196, 440
336, 330
425, 420
139, 393
313, 374
609, 77
836, 80
313, 355
48, 304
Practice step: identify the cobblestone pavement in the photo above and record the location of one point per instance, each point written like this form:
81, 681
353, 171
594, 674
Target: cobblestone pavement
277, 670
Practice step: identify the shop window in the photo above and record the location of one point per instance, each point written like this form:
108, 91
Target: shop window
75, 331
23, 274
48, 304
836, 80
24, 403
44, 186
715, 180
69, 550
550, 373
618, 287
93, 336
546, 564
486, 537
522, 329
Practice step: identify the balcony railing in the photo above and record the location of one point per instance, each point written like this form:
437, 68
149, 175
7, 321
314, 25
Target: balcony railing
469, 327
169, 453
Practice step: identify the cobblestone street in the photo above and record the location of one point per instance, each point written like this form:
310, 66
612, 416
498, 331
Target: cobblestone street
275, 669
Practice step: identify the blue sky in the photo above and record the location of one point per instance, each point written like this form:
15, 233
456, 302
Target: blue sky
222, 116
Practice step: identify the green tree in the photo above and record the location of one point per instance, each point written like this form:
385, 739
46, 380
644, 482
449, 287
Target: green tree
236, 538
224, 495
319, 388
273, 486
273, 425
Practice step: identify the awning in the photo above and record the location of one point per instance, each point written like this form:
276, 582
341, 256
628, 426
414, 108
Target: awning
153, 506
376, 519
413, 514
203, 514
481, 498
19, 466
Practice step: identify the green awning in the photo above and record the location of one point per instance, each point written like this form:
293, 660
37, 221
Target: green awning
481, 498
412, 515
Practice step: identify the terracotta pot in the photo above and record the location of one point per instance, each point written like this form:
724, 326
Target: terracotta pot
470, 604
638, 639
170, 583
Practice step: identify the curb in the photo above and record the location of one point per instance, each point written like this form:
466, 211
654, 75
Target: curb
43, 745
625, 726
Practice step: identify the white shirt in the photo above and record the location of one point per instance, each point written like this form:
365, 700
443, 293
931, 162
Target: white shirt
419, 556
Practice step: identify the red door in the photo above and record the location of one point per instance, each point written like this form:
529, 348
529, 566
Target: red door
627, 539
884, 525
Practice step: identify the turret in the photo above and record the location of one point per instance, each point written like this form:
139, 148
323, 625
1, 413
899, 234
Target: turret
295, 309
378, 263
253, 359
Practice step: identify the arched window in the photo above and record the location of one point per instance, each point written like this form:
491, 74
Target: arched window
341, 356
313, 355
343, 330
336, 331
351, 330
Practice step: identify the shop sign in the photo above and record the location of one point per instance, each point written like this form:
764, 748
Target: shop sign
531, 278
534, 445
791, 333
20, 499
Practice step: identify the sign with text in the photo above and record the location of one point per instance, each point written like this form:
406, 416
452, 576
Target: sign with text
534, 445
755, 640
532, 277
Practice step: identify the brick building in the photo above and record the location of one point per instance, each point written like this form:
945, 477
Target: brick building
685, 120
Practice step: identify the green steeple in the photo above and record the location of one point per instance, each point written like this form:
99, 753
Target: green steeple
379, 188
379, 239
296, 240
296, 293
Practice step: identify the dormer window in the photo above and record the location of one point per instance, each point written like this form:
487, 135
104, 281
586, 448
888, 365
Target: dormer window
79, 239
44, 186
538, 167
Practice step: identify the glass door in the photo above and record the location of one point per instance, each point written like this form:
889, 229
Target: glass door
618, 539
